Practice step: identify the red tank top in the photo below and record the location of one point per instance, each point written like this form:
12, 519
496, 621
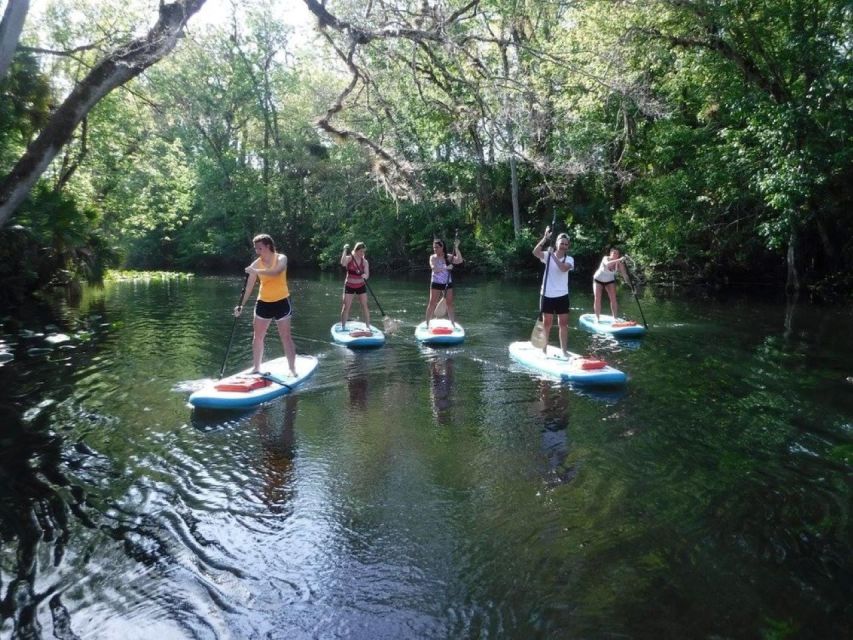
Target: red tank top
354, 272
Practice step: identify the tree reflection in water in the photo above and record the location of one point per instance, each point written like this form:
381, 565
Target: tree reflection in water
33, 494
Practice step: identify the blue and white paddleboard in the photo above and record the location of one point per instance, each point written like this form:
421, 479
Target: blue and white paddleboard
278, 383
440, 331
616, 327
357, 335
576, 368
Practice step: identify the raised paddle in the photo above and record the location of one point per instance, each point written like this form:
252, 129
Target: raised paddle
233, 327
441, 307
537, 337
634, 290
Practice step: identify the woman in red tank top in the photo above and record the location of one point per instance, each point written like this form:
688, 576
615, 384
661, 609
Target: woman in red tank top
358, 270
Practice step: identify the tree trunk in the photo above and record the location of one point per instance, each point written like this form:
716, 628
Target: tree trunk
793, 283
516, 214
113, 71
10, 32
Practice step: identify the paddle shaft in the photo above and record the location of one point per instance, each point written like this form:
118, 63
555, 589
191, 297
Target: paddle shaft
233, 327
375, 299
279, 381
547, 269
634, 291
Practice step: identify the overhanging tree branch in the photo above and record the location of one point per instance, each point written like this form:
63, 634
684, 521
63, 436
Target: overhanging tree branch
123, 64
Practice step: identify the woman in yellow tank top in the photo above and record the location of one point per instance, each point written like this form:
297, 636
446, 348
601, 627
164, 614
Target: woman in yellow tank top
273, 300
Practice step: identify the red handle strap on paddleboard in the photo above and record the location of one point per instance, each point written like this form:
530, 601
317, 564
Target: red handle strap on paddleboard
589, 363
441, 331
242, 384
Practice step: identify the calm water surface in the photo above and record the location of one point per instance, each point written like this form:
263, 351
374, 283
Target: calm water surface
408, 492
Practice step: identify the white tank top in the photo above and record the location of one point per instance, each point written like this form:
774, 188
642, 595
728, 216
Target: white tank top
558, 281
604, 274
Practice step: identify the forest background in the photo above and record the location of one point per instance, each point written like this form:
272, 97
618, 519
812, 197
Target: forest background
708, 138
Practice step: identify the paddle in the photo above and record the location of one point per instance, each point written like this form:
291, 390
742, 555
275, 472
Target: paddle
277, 380
233, 327
441, 307
389, 325
634, 290
537, 337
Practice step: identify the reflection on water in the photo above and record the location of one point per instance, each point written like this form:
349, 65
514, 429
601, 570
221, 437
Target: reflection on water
355, 373
34, 512
554, 409
275, 428
340, 511
441, 387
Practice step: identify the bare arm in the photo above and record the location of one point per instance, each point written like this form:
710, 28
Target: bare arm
250, 285
280, 265
345, 256
537, 250
567, 264
366, 272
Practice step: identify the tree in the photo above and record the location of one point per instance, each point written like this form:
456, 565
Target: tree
114, 70
10, 31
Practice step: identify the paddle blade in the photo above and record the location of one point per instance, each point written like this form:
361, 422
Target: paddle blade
440, 309
537, 336
389, 325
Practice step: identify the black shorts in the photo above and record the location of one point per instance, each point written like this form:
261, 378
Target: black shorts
555, 305
440, 287
355, 290
278, 310
604, 284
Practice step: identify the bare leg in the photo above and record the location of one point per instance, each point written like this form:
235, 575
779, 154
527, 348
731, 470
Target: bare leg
345, 306
596, 303
434, 296
365, 309
259, 327
448, 300
547, 319
287, 342
563, 321
614, 304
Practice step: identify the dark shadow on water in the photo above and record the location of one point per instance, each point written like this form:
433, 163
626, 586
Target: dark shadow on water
213, 420
609, 395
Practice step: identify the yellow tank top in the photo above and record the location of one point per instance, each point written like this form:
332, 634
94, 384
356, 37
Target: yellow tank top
273, 288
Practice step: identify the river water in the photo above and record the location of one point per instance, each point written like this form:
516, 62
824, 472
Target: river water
407, 492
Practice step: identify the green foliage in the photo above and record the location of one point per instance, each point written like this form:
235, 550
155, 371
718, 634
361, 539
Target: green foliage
706, 139
51, 242
114, 275
24, 106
